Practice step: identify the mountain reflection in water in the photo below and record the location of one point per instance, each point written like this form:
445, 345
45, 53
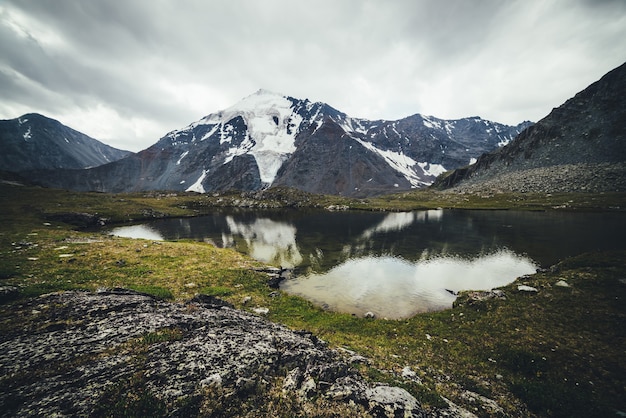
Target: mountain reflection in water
396, 264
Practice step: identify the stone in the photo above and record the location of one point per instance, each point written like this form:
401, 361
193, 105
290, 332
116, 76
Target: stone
562, 283
261, 311
408, 373
524, 288
390, 401
211, 302
96, 341
215, 380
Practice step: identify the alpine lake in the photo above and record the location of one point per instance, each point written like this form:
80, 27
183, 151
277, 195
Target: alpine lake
395, 264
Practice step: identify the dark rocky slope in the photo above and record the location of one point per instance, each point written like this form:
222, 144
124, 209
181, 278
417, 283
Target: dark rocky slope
35, 142
81, 354
579, 146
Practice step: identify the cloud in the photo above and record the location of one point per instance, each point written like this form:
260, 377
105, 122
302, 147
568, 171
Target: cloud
129, 72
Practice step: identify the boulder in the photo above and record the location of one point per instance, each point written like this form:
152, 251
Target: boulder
74, 353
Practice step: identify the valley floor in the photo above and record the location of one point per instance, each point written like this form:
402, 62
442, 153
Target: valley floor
556, 350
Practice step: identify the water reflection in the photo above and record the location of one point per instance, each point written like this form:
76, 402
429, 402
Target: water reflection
399, 259
391, 287
398, 221
267, 240
137, 232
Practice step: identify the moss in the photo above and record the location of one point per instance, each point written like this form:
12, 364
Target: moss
129, 398
217, 291
163, 335
157, 291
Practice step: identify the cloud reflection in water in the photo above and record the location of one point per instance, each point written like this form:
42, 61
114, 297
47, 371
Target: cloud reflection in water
142, 231
394, 288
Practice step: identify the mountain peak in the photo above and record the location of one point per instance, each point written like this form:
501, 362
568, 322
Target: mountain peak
266, 92
258, 101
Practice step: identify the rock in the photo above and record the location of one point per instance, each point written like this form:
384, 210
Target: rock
261, 311
77, 219
274, 280
215, 380
473, 297
408, 373
389, 401
356, 359
524, 288
369, 314
562, 283
246, 299
293, 380
483, 402
71, 357
211, 302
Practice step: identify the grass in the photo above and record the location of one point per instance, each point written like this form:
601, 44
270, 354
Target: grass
558, 352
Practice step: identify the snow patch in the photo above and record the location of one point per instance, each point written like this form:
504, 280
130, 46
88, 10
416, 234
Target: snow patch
197, 186
232, 152
183, 155
433, 170
503, 141
211, 132
272, 126
473, 161
399, 162
352, 125
27, 134
406, 166
431, 122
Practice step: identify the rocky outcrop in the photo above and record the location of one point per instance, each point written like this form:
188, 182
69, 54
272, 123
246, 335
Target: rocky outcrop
86, 354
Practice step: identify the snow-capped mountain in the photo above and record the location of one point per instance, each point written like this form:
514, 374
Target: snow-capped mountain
33, 142
268, 139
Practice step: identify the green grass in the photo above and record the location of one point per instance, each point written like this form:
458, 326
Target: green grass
555, 353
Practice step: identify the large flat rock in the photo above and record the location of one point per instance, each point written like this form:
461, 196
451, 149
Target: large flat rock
78, 353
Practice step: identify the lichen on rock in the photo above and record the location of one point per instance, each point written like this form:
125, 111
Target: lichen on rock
75, 353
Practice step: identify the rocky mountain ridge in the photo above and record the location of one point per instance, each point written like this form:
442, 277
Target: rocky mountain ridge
34, 142
268, 139
579, 146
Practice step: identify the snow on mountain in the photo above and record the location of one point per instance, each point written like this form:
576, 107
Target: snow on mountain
269, 139
272, 127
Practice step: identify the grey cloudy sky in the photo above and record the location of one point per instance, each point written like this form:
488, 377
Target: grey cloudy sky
127, 72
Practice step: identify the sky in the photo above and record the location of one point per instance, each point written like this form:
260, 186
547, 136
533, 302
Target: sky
127, 72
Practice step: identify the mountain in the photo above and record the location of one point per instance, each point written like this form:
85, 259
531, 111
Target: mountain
579, 146
268, 139
33, 142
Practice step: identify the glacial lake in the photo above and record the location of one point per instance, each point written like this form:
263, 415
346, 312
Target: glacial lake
396, 265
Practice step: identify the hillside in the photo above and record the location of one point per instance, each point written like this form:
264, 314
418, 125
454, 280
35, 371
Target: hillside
36, 142
579, 146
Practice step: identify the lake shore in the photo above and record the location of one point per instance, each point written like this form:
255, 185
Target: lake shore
552, 352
